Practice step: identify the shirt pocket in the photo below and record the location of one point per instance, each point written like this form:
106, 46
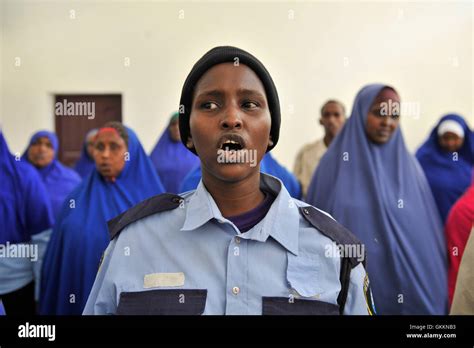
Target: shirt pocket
303, 275
285, 306
163, 302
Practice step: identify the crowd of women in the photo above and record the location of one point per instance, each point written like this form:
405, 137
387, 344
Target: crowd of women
414, 213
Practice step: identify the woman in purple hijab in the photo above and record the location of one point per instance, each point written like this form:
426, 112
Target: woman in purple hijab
370, 183
171, 159
59, 180
25, 220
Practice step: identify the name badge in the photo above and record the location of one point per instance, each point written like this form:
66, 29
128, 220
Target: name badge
157, 280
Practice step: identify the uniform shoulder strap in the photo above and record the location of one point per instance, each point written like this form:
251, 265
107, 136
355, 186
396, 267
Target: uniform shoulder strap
332, 229
341, 236
150, 206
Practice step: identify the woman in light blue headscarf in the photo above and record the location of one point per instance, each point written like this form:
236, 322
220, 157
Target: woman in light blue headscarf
124, 176
370, 183
171, 159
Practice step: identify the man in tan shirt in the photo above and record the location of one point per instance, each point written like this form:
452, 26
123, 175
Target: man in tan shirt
333, 116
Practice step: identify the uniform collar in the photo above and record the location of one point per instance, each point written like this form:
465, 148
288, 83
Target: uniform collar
281, 221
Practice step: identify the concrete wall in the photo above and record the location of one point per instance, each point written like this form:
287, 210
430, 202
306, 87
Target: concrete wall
314, 51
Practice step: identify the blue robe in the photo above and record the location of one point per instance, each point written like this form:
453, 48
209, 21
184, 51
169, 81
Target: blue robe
172, 162
268, 165
25, 213
80, 234
448, 179
85, 164
381, 194
24, 205
58, 179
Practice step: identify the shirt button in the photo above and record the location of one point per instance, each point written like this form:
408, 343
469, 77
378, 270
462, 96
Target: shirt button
237, 240
235, 290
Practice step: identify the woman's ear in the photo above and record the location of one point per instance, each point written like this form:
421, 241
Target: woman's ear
270, 141
190, 143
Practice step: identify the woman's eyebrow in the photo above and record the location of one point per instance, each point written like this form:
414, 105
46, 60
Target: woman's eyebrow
212, 93
220, 94
246, 91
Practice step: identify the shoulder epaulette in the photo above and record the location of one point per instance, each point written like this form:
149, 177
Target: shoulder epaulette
150, 206
332, 229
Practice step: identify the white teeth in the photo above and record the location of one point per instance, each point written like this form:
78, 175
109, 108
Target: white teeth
227, 142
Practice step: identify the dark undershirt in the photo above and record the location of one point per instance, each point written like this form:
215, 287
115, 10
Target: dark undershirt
247, 220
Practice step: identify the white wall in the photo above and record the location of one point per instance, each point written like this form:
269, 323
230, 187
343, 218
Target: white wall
329, 49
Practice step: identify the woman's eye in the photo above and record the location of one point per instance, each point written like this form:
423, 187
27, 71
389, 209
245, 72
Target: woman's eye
377, 113
209, 105
250, 105
114, 147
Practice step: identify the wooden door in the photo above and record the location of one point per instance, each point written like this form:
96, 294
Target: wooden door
76, 114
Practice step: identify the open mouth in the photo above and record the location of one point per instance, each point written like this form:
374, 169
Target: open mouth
230, 145
231, 142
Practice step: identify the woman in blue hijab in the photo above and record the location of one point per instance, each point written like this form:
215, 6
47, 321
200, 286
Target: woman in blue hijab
123, 178
25, 213
85, 164
371, 184
268, 165
59, 180
171, 159
447, 159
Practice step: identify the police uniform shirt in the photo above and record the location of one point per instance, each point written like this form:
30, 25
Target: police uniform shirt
189, 259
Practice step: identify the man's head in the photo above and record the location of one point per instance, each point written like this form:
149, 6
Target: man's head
333, 117
110, 147
229, 110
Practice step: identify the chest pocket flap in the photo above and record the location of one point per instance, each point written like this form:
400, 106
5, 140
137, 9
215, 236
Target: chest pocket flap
163, 302
284, 306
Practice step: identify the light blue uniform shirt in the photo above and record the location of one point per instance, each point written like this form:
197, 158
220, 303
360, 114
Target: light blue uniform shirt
195, 247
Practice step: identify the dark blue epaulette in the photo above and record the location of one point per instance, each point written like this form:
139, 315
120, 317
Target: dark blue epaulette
331, 229
341, 236
150, 206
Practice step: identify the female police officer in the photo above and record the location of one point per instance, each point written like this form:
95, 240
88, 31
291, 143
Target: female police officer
238, 244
